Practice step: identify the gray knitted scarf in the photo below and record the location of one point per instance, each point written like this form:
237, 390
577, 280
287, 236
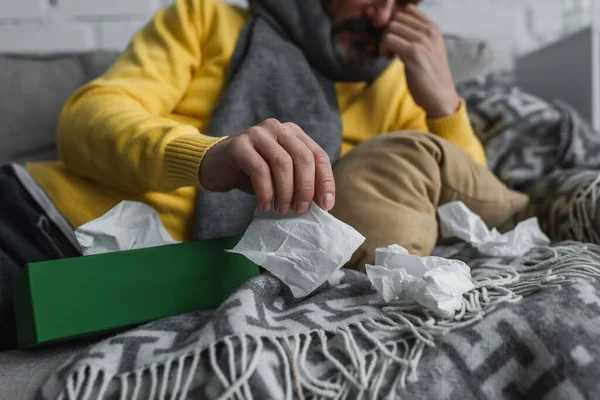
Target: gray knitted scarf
284, 67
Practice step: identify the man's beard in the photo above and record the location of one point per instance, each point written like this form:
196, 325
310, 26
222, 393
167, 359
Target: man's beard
362, 50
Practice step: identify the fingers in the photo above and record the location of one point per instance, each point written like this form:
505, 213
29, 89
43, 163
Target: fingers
411, 21
403, 48
410, 34
324, 180
285, 166
414, 10
304, 166
248, 160
264, 137
404, 22
404, 31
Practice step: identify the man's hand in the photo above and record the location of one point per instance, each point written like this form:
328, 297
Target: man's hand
272, 160
420, 45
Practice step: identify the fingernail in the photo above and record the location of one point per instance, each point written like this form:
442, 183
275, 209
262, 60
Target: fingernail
328, 201
266, 207
302, 207
283, 210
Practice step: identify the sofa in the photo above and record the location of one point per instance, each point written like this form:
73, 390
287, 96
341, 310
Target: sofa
33, 89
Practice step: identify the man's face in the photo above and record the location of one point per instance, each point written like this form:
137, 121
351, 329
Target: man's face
358, 26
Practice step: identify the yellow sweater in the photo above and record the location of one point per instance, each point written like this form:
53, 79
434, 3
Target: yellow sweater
135, 133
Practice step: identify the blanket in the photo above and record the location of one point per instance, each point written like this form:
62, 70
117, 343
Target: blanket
527, 139
545, 149
528, 329
343, 342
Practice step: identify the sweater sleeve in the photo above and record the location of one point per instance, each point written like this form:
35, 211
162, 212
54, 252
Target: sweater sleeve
114, 129
455, 128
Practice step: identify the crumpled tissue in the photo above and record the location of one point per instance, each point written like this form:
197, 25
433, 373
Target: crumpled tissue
303, 251
436, 283
457, 220
129, 225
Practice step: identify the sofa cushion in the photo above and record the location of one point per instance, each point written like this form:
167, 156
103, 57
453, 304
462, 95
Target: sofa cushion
33, 90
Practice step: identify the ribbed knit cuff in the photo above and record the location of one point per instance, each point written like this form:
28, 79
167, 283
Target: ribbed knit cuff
183, 157
456, 128
452, 125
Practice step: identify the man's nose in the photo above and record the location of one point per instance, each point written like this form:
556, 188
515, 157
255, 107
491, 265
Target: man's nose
380, 12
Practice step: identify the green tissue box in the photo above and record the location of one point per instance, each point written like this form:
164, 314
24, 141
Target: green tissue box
62, 299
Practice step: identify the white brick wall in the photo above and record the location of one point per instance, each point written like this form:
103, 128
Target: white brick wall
22, 8
511, 26
114, 35
71, 25
107, 8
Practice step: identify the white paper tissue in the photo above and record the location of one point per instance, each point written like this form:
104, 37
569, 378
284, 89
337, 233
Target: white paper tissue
129, 225
303, 251
436, 283
456, 220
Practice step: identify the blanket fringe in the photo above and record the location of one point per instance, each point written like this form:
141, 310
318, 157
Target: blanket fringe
582, 213
358, 357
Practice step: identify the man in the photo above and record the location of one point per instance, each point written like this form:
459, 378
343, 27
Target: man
208, 95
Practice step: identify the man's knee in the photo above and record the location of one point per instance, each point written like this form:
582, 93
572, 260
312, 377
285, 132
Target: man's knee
390, 164
412, 144
389, 189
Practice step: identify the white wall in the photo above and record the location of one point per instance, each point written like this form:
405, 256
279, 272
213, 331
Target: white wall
511, 26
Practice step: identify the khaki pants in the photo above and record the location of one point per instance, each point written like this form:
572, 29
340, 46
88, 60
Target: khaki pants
390, 187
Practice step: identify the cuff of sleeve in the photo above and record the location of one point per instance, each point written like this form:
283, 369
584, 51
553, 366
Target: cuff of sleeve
452, 125
183, 157
456, 128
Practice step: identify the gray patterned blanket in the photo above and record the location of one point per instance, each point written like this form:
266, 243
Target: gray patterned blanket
528, 330
546, 150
